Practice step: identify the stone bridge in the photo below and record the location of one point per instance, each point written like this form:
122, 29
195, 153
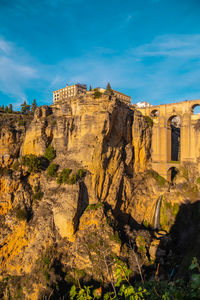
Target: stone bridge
175, 135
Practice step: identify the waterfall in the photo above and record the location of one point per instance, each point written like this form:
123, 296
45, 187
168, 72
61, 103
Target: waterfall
157, 214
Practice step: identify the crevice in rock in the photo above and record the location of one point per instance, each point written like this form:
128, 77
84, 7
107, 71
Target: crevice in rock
83, 202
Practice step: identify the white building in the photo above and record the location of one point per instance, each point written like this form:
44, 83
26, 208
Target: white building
68, 92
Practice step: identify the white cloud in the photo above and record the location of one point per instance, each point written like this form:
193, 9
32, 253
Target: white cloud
171, 45
15, 73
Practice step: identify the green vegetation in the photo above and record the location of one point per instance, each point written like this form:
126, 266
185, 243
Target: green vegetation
21, 122
63, 177
21, 213
149, 121
109, 90
46, 262
198, 180
80, 173
125, 288
141, 244
174, 162
160, 180
108, 87
50, 153
145, 223
94, 206
115, 238
33, 106
52, 170
72, 179
38, 194
25, 108
7, 109
122, 289
97, 94
168, 212
32, 162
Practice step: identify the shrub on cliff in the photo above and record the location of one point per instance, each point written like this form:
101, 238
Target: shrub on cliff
32, 162
52, 170
97, 94
50, 153
38, 194
149, 121
21, 213
80, 173
160, 180
63, 177
72, 179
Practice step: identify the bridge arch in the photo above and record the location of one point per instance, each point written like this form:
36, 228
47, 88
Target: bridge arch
155, 113
195, 109
173, 137
171, 174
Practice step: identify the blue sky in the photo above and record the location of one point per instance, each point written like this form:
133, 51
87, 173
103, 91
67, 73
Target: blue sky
148, 49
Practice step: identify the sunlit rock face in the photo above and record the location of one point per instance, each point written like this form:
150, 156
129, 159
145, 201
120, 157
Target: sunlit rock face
112, 143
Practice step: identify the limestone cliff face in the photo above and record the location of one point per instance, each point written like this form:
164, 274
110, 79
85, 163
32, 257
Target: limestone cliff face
111, 142
12, 133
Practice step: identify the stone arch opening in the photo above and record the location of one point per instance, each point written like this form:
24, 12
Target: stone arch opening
173, 138
155, 113
196, 109
171, 174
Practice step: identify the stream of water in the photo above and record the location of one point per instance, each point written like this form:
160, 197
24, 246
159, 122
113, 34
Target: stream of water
157, 214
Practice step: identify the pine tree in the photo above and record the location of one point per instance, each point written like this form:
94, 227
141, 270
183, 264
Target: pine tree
90, 88
108, 87
33, 106
25, 108
6, 109
10, 109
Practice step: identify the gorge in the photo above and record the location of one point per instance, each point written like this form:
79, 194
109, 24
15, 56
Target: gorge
97, 208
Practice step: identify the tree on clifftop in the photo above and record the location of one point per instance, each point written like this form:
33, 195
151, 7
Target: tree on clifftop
109, 90
108, 87
33, 106
10, 109
25, 108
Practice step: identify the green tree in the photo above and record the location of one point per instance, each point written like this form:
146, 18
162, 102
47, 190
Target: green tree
108, 87
25, 108
52, 170
33, 106
32, 162
90, 88
50, 153
10, 109
64, 176
6, 109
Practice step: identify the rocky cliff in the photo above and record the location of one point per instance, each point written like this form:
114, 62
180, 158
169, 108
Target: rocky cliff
54, 233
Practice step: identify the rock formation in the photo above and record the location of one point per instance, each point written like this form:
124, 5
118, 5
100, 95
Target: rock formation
52, 232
